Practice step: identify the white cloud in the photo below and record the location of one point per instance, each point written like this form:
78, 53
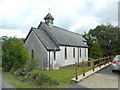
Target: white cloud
76, 15
17, 33
88, 22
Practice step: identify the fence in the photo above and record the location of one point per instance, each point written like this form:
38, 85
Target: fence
95, 63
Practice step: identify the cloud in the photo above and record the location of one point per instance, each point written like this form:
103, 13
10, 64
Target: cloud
17, 33
85, 23
75, 15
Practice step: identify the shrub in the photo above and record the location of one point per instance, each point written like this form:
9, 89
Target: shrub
40, 79
14, 54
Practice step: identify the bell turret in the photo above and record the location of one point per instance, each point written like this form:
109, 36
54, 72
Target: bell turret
49, 19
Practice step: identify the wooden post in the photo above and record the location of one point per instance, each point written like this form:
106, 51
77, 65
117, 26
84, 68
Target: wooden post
104, 61
76, 71
112, 58
108, 59
83, 69
93, 64
99, 63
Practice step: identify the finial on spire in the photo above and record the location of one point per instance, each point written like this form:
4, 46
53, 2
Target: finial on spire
49, 10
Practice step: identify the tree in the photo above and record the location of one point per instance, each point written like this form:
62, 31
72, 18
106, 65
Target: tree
108, 38
14, 54
95, 51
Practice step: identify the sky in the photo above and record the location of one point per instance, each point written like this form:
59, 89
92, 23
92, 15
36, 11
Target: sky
18, 16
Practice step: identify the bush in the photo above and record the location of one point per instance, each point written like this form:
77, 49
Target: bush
14, 54
40, 79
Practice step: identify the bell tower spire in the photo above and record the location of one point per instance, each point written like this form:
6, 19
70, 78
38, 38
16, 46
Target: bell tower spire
48, 18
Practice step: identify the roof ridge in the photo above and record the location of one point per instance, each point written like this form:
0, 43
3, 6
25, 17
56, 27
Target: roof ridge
51, 36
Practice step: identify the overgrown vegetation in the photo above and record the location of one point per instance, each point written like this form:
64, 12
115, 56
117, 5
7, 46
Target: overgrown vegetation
60, 78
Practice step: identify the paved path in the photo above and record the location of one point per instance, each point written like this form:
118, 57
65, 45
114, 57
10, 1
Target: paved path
104, 78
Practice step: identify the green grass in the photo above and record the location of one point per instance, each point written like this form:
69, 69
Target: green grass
62, 75
16, 82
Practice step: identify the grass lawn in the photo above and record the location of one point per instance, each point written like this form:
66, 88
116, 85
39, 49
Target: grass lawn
16, 82
62, 75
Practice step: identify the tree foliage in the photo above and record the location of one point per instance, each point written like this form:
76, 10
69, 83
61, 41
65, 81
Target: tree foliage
14, 54
107, 36
95, 51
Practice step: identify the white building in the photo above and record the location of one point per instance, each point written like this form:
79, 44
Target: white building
55, 47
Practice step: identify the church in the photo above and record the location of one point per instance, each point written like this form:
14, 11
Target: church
55, 47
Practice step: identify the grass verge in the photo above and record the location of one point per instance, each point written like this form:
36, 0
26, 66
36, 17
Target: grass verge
16, 82
62, 75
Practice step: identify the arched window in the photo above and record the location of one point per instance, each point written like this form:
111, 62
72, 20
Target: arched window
32, 54
85, 52
54, 55
73, 52
80, 52
65, 53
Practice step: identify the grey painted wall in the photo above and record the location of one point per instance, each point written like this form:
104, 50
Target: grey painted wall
40, 52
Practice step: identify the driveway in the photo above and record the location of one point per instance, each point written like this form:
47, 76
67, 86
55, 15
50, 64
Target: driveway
104, 78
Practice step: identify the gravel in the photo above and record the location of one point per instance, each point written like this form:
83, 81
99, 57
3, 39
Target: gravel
100, 81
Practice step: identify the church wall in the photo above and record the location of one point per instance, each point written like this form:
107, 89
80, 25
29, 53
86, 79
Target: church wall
40, 52
60, 56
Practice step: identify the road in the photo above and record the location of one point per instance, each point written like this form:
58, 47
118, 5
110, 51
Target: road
104, 78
